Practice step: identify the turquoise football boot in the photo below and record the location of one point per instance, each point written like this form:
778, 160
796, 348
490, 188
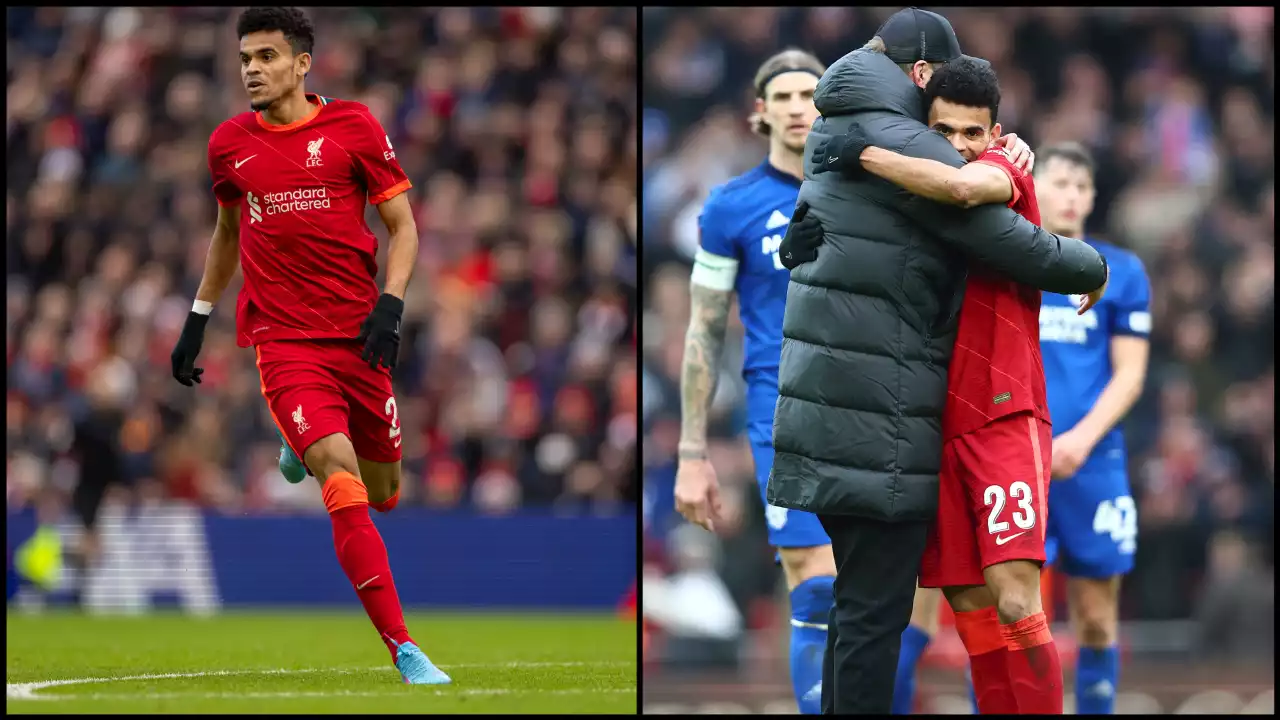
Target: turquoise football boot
290, 466
416, 669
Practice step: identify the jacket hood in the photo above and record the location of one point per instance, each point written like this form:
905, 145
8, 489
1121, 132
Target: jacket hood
867, 81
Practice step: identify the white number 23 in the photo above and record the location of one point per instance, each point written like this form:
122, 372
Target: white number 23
1021, 493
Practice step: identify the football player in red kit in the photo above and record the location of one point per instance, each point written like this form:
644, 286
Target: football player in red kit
987, 543
292, 178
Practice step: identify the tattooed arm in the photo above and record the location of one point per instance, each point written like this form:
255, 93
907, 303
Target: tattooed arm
703, 344
710, 287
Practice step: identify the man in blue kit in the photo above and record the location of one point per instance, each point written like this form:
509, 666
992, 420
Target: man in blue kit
1095, 365
741, 227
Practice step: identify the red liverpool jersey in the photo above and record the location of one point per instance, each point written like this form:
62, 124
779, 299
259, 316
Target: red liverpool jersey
996, 369
307, 254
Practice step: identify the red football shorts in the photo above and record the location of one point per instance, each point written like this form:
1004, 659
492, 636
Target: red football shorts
992, 501
316, 388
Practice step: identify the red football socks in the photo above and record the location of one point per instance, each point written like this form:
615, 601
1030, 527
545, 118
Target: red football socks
363, 557
1034, 669
980, 632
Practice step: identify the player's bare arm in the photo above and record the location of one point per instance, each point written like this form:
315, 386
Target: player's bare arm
703, 345
697, 488
974, 184
223, 257
988, 233
1129, 371
402, 248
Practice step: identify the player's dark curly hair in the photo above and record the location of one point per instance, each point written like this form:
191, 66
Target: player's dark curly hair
291, 22
965, 81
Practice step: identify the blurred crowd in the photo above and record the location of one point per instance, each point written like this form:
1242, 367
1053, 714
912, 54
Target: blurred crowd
1176, 106
517, 382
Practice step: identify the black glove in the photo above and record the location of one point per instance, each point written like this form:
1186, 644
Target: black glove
804, 235
841, 154
381, 332
184, 353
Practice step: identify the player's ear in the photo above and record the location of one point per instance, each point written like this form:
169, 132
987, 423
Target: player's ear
921, 72
996, 132
303, 63
759, 105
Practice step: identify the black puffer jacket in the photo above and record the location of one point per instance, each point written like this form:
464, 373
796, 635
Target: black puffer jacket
870, 324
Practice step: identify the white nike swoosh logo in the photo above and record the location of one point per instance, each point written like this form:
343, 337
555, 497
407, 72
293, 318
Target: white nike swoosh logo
241, 162
366, 582
397, 442
1001, 541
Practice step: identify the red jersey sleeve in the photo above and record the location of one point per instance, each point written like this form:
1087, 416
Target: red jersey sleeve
224, 186
997, 156
375, 161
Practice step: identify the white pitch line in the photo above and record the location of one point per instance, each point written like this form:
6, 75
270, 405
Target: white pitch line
521, 663
324, 694
27, 691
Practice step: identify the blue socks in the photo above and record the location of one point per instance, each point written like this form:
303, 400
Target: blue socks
811, 603
1097, 673
914, 641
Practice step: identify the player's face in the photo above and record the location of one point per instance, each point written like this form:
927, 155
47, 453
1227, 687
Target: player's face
268, 67
788, 108
1064, 192
968, 129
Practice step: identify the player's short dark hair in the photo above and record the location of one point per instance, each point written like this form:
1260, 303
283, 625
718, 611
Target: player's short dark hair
785, 61
290, 21
1072, 152
965, 81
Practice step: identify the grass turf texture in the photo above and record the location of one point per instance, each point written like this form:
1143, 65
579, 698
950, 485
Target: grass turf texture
317, 663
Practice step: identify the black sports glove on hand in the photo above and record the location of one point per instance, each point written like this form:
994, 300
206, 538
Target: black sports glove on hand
800, 244
841, 154
381, 332
184, 353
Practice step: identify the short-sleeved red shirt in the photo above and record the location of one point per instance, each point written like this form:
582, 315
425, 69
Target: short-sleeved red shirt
996, 368
307, 254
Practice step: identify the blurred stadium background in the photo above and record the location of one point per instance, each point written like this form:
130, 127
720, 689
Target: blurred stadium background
517, 381
1176, 105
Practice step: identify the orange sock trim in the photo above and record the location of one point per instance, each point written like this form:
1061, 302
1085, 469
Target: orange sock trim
1026, 633
388, 505
980, 631
343, 490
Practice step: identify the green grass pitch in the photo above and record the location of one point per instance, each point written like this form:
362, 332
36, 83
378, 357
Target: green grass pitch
242, 662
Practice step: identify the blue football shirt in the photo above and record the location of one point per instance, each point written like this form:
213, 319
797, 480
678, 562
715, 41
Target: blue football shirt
745, 220
1077, 348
